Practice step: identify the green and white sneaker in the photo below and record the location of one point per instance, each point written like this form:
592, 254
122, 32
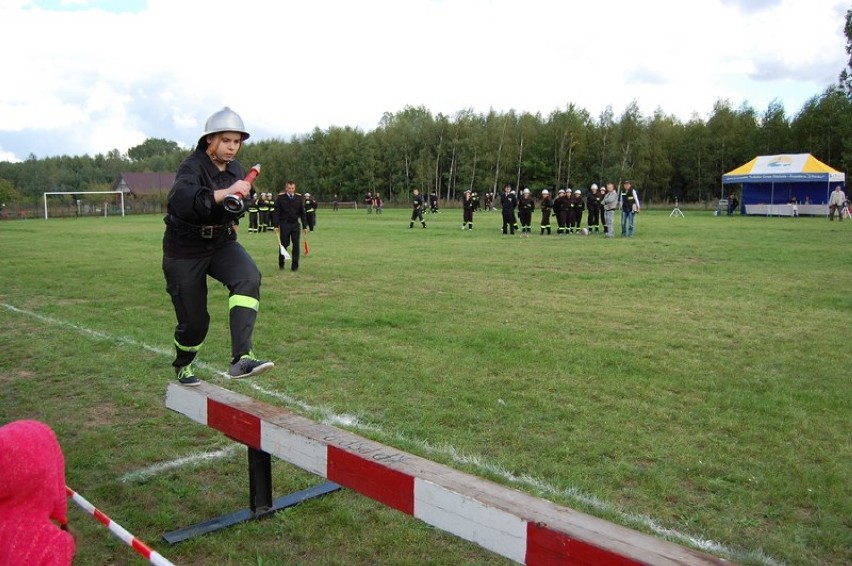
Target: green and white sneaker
249, 365
185, 376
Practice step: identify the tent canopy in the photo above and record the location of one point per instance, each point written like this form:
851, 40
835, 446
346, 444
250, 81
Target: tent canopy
800, 167
771, 179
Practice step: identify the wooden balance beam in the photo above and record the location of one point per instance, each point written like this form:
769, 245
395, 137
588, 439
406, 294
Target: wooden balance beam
523, 528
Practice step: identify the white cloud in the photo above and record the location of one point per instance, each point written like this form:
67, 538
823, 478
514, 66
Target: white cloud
288, 67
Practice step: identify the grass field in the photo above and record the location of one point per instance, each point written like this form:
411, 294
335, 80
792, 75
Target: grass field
692, 382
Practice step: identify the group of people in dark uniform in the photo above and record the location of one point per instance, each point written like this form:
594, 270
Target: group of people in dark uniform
567, 209
261, 206
259, 209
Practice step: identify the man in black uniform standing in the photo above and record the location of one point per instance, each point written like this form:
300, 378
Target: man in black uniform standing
546, 207
201, 240
253, 212
575, 213
468, 207
526, 206
311, 211
561, 206
288, 211
508, 203
594, 207
416, 209
262, 212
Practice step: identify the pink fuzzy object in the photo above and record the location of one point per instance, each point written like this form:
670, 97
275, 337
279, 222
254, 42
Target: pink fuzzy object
32, 497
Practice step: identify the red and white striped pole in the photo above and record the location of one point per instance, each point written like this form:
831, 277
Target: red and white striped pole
152, 556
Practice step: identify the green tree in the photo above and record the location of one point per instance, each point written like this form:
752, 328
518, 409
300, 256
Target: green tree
658, 151
567, 142
7, 192
775, 134
153, 147
846, 74
824, 128
689, 158
629, 141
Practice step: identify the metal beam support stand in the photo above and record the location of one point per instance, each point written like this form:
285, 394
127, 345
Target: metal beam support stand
261, 503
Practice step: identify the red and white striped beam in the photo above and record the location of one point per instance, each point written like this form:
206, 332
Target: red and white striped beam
123, 534
523, 528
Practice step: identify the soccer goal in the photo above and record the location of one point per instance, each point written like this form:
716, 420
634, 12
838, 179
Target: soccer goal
83, 203
340, 204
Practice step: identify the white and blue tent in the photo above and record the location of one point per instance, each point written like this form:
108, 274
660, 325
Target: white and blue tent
778, 179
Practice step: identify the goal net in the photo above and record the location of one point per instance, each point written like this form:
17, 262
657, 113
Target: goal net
340, 204
88, 203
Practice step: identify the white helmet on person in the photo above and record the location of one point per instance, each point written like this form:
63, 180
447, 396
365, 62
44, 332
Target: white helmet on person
594, 186
545, 192
526, 191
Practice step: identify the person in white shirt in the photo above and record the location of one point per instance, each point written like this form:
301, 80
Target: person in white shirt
836, 202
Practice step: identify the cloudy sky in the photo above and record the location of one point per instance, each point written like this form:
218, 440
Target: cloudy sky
90, 76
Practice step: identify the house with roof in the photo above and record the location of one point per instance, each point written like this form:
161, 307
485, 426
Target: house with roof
144, 185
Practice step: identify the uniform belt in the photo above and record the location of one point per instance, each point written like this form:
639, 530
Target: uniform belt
205, 232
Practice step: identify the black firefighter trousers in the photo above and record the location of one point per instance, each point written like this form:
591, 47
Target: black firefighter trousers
186, 283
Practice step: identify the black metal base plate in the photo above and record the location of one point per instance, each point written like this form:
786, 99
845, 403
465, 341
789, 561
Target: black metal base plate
244, 515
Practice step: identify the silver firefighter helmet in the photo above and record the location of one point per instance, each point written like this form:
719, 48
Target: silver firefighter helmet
225, 120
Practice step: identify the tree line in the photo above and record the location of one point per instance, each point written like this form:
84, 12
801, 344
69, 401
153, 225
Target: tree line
413, 149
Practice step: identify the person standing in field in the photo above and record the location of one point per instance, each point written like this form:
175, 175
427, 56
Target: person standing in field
310, 211
575, 215
378, 203
546, 206
253, 213
836, 203
610, 203
733, 204
593, 208
200, 241
560, 210
468, 207
287, 214
508, 203
417, 209
526, 206
629, 208
263, 204
433, 203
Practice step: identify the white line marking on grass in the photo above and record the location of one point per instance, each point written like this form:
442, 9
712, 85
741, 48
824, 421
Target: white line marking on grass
87, 331
192, 459
328, 416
